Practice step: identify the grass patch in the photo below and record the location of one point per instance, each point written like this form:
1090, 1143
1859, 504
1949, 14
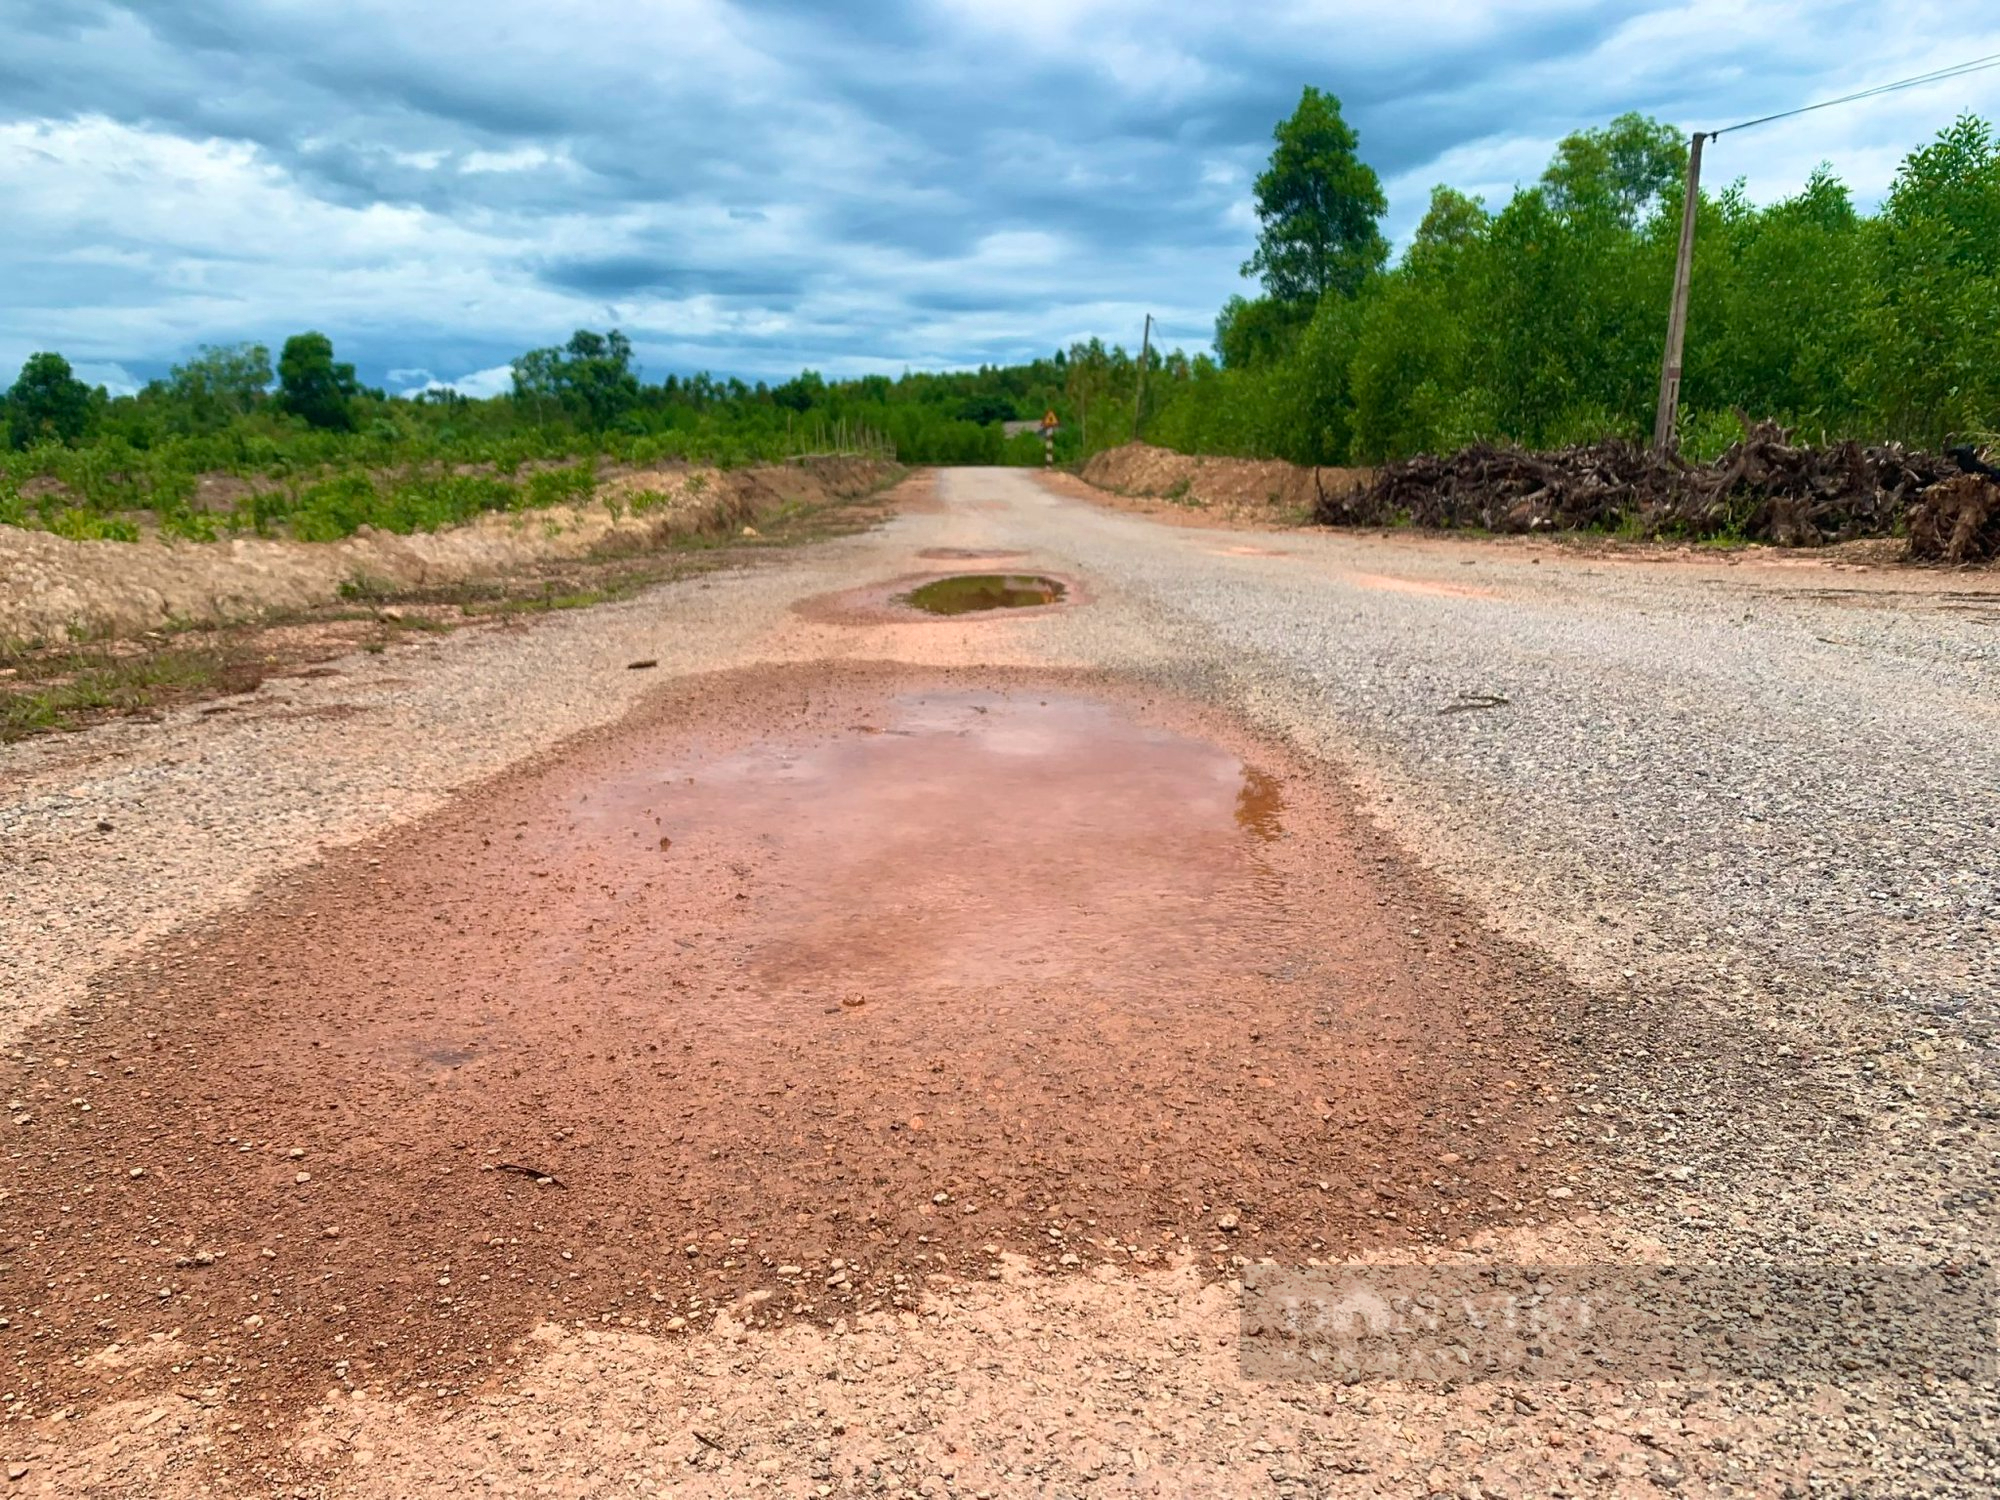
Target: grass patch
551, 600
65, 691
361, 586
50, 686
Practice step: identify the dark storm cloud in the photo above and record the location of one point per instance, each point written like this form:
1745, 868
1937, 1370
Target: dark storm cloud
756, 185
621, 276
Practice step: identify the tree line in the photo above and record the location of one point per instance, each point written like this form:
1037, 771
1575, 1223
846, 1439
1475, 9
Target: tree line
1541, 322
321, 454
229, 408
1538, 322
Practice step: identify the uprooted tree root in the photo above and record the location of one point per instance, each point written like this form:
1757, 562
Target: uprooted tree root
1957, 521
1763, 489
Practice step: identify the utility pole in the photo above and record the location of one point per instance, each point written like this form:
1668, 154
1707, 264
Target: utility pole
1677, 317
1670, 363
1145, 356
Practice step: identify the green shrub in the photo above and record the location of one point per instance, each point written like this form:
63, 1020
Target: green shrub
87, 526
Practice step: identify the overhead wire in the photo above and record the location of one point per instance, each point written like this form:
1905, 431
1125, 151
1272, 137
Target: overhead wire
1936, 75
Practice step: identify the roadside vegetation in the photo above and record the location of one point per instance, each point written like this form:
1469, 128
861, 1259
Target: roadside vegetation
40, 691
1540, 322
71, 683
1536, 323
226, 444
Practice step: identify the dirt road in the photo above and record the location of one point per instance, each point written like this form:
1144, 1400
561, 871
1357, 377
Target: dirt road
869, 1052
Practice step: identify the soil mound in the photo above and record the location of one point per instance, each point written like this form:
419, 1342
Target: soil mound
1229, 484
51, 586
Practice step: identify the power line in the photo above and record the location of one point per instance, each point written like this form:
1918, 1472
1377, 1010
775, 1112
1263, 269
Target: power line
1956, 70
1670, 362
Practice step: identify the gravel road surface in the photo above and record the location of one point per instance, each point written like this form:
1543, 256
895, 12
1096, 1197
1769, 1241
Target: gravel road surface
1745, 808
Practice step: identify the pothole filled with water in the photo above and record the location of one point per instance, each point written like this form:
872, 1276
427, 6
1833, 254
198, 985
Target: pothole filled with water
966, 593
914, 971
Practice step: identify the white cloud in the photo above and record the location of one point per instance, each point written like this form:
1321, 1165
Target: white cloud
521, 159
212, 242
494, 382
754, 187
114, 377
1016, 248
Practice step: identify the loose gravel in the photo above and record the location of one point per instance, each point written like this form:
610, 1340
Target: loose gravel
1751, 805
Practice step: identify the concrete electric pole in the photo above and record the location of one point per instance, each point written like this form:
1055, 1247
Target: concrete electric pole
1677, 316
1145, 357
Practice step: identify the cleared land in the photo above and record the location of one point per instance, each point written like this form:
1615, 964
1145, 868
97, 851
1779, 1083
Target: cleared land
97, 630
863, 1051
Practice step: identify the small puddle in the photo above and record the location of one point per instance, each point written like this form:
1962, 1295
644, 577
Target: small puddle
965, 593
963, 839
1260, 806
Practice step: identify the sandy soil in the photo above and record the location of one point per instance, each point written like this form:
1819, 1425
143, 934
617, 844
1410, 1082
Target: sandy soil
51, 587
1231, 490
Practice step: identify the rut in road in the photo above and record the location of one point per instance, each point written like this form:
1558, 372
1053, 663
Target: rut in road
798, 987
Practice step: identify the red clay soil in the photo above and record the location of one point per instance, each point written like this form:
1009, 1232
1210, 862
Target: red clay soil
802, 982
1266, 491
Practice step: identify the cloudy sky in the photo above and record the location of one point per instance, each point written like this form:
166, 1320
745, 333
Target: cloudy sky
752, 186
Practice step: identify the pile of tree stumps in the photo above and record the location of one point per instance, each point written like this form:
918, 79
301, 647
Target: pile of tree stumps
1765, 488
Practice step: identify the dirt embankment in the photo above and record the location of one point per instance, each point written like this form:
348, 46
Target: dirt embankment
1248, 488
51, 587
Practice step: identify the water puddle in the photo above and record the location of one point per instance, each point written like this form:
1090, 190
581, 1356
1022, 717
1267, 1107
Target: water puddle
967, 593
908, 971
1260, 806
966, 839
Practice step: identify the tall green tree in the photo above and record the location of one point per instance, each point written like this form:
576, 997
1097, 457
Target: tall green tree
801, 392
47, 403
590, 378
1320, 206
1254, 333
221, 383
1319, 419
1777, 327
1623, 169
312, 385
1935, 289
1452, 222
1410, 379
